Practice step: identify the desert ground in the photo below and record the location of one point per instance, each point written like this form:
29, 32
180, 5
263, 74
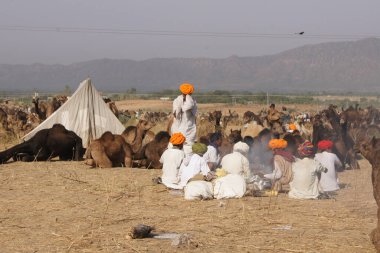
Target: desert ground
68, 207
158, 105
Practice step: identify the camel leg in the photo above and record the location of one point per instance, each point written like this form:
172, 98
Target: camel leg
90, 162
101, 159
128, 162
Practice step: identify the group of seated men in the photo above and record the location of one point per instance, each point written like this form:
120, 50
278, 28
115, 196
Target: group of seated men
306, 175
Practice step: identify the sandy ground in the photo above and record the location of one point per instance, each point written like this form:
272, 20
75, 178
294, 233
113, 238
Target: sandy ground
68, 207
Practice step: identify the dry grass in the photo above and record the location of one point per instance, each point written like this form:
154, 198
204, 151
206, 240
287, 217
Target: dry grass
67, 207
158, 105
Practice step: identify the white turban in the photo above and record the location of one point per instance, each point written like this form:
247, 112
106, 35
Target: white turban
241, 147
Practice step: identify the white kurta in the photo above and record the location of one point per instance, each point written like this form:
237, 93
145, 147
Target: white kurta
197, 165
276, 174
212, 156
171, 161
304, 184
230, 186
329, 180
184, 121
237, 164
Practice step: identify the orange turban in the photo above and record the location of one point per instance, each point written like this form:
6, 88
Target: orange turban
277, 144
177, 139
292, 127
186, 88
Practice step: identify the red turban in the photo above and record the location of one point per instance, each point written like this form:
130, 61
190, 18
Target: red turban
325, 144
177, 139
186, 88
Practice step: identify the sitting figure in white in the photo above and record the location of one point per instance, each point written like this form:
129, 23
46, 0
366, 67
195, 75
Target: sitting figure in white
171, 160
212, 156
329, 181
304, 183
237, 162
197, 165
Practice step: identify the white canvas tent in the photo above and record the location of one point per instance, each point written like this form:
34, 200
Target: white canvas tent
85, 113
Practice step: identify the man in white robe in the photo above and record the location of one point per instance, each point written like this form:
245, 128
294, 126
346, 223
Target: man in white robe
171, 160
185, 111
329, 181
197, 165
212, 156
237, 163
304, 183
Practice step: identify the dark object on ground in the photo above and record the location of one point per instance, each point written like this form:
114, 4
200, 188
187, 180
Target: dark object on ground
141, 231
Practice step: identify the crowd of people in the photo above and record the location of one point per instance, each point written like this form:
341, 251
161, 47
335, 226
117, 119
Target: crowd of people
201, 172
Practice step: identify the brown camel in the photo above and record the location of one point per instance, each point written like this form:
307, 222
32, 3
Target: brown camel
154, 149
3, 119
110, 150
45, 109
370, 149
134, 136
229, 142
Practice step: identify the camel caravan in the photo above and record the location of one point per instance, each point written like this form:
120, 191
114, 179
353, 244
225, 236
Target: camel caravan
204, 154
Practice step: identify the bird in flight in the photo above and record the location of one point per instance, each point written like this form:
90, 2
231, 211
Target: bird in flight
300, 33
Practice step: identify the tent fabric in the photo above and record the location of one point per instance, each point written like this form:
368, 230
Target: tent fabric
84, 113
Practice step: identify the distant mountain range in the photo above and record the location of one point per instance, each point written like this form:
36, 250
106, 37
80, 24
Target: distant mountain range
333, 66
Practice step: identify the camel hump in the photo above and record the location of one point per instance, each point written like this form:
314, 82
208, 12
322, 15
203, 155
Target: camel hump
107, 136
58, 128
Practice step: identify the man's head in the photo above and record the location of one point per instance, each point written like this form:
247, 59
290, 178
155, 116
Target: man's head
177, 139
277, 144
306, 149
216, 139
325, 145
199, 149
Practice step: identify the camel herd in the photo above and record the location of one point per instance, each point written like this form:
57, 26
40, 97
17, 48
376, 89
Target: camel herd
353, 130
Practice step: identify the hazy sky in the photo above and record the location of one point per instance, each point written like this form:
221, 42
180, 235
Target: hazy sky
315, 17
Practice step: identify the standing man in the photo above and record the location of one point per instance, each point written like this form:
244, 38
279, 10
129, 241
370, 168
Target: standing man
184, 111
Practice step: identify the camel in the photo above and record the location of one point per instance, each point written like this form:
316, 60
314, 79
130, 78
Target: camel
47, 144
39, 108
45, 109
209, 124
154, 149
370, 149
134, 136
229, 142
250, 116
110, 150
329, 126
3, 119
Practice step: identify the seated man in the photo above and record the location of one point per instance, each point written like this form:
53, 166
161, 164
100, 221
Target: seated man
237, 162
197, 165
212, 156
172, 159
304, 184
282, 173
329, 180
